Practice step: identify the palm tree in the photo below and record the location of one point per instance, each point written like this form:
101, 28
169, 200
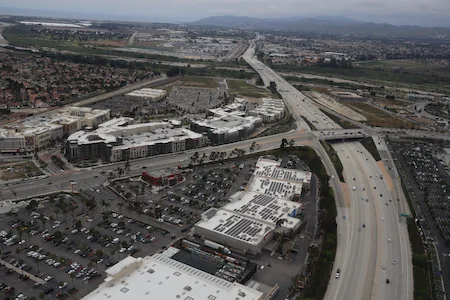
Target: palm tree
37, 264
51, 221
43, 220
64, 211
112, 254
28, 234
18, 253
72, 276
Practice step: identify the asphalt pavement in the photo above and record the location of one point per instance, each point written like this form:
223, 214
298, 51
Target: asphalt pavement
364, 255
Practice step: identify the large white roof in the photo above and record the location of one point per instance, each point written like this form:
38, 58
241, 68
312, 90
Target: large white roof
265, 209
235, 226
147, 93
160, 277
271, 169
274, 187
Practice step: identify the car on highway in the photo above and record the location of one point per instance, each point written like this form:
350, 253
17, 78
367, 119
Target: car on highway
338, 273
389, 240
359, 228
387, 281
393, 262
364, 225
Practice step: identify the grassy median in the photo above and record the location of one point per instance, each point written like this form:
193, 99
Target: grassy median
369, 144
334, 159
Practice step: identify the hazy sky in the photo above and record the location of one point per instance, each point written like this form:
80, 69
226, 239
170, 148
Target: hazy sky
393, 11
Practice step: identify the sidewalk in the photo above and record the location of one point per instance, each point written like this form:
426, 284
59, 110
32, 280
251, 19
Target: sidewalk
20, 271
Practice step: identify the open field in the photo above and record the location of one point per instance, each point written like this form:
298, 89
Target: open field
242, 88
426, 81
109, 43
18, 170
153, 45
406, 65
196, 81
377, 117
392, 102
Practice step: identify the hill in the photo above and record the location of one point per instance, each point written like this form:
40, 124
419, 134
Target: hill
324, 25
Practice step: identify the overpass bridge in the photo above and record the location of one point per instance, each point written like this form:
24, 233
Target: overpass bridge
340, 134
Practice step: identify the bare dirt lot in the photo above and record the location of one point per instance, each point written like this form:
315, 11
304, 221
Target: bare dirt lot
18, 170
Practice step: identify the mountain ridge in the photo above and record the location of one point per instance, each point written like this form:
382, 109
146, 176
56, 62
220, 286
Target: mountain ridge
324, 25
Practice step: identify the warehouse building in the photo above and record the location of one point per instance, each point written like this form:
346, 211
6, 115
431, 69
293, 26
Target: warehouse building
247, 223
266, 209
234, 230
161, 277
270, 169
146, 94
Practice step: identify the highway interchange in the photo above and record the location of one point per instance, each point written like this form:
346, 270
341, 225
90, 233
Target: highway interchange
373, 243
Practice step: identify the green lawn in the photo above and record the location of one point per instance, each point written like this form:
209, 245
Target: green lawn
239, 85
244, 89
198, 81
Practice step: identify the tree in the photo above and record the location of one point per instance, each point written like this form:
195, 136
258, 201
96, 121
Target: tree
43, 220
284, 143
273, 87
252, 147
99, 253
58, 235
291, 143
78, 224
72, 276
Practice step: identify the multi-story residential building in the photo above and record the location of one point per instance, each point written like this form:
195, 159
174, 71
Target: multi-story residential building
121, 139
38, 132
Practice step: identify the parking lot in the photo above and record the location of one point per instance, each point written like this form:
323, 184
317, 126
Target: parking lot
431, 179
67, 241
193, 100
68, 245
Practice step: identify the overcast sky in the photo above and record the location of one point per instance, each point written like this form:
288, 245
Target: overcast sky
421, 12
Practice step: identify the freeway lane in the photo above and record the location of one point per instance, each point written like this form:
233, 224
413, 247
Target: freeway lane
92, 176
361, 255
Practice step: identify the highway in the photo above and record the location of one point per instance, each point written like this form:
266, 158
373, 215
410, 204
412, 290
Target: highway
93, 177
364, 256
